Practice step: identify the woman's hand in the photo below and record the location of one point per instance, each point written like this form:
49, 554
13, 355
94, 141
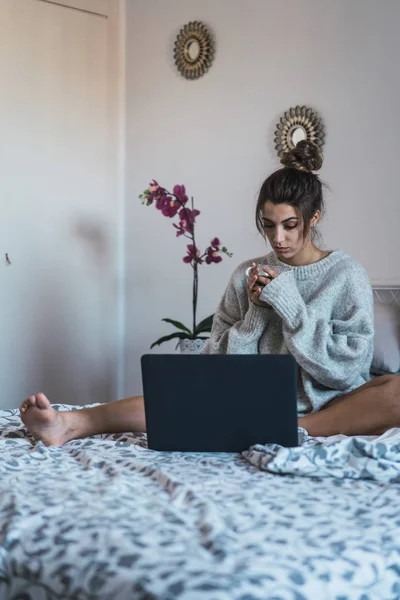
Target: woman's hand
256, 282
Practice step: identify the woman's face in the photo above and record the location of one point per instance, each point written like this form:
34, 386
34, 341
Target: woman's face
283, 227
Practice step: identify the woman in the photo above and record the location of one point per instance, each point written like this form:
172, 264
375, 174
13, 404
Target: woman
313, 304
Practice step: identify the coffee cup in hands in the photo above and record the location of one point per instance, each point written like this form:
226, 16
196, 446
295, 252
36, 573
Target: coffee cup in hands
261, 273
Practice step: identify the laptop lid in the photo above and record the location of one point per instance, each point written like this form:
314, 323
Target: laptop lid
219, 403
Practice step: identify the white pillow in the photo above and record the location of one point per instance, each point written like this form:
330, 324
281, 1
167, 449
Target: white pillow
387, 339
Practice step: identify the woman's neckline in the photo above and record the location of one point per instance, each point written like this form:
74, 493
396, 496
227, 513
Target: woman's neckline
311, 269
324, 255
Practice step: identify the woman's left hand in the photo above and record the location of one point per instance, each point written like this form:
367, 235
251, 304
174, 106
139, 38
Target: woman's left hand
271, 274
257, 282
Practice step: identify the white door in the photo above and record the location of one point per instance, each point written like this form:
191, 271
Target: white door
59, 202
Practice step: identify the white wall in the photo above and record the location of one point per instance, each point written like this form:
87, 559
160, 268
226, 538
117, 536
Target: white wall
59, 203
216, 136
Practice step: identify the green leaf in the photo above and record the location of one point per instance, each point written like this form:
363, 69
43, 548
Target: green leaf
178, 334
205, 325
178, 325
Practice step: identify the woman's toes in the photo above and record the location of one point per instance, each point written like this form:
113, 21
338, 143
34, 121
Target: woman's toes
31, 401
42, 401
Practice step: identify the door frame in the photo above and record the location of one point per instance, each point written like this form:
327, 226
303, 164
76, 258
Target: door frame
115, 13
117, 77
96, 7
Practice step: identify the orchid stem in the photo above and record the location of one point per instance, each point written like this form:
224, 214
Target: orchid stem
195, 277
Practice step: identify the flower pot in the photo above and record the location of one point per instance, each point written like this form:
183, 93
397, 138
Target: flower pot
191, 346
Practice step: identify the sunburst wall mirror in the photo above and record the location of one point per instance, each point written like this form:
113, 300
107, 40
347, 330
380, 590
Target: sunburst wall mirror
194, 50
298, 123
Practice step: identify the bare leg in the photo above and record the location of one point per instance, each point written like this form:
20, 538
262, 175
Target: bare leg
371, 409
55, 428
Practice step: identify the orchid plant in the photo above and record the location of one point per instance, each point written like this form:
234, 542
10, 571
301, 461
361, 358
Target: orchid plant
175, 205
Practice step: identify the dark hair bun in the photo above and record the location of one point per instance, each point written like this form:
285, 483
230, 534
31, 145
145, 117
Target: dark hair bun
306, 156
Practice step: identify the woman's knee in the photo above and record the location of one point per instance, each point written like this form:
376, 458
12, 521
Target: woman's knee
391, 394
383, 379
392, 382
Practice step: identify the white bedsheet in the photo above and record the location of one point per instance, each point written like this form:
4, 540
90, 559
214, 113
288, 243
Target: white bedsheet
362, 457
106, 518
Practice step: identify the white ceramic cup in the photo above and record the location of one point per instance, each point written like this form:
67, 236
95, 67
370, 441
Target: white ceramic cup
261, 273
278, 268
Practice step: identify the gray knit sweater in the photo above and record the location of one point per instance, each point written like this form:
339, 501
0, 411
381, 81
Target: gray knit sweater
321, 313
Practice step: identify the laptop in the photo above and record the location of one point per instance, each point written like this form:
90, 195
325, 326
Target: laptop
219, 403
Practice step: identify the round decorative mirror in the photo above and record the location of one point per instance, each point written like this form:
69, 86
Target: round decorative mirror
194, 50
299, 123
297, 134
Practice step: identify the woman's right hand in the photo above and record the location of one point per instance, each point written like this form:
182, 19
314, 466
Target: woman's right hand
254, 290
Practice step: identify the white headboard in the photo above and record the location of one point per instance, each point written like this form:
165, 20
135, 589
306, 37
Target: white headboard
387, 294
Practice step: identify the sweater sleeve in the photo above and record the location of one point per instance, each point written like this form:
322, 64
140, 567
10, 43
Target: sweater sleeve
332, 350
238, 323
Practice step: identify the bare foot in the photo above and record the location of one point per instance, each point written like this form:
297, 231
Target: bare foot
44, 422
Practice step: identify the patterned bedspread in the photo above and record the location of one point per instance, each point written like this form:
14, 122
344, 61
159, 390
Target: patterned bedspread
105, 518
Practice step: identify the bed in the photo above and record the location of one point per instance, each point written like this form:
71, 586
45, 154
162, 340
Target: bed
106, 518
